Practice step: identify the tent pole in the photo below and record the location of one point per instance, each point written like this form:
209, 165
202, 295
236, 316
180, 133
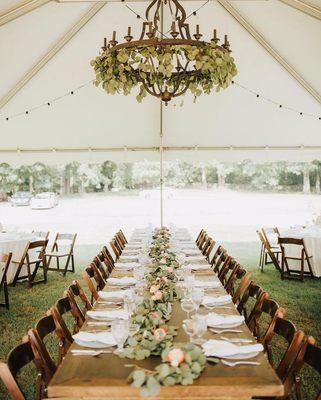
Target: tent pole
161, 140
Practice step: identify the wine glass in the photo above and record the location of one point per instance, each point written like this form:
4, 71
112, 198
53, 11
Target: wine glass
129, 304
197, 296
187, 305
120, 332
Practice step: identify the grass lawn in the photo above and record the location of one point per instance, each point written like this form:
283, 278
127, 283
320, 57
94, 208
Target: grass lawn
301, 301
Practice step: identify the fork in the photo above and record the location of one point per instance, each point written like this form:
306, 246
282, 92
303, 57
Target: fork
213, 307
94, 353
242, 362
236, 340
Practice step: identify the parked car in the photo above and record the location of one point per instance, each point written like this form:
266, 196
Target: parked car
43, 201
21, 199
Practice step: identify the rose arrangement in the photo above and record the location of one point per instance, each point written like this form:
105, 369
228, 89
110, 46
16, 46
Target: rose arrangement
181, 364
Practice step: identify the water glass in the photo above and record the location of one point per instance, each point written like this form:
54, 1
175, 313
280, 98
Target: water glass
197, 296
189, 328
200, 324
120, 332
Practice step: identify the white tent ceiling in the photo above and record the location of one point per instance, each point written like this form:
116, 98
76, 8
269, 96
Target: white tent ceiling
231, 125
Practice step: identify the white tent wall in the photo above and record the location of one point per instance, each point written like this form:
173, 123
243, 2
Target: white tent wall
92, 119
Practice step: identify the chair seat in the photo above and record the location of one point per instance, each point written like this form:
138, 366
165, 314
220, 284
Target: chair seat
57, 254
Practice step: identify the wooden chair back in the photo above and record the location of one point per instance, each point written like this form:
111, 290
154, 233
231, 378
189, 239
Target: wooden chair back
121, 233
75, 290
220, 257
294, 339
97, 262
268, 248
5, 260
304, 257
119, 240
115, 248
109, 261
201, 239
210, 249
229, 267
199, 235
94, 281
271, 235
310, 355
17, 359
40, 261
238, 283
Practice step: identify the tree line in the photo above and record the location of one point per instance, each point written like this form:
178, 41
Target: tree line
108, 176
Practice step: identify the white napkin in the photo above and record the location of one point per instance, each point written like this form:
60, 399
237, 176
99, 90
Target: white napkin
220, 321
199, 267
192, 253
108, 314
101, 337
126, 266
197, 259
130, 246
124, 259
207, 284
216, 301
130, 252
115, 296
222, 348
124, 281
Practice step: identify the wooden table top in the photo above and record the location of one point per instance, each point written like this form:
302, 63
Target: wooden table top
105, 376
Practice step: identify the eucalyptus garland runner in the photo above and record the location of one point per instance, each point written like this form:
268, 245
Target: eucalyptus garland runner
181, 364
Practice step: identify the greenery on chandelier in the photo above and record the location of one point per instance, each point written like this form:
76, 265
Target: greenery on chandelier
181, 364
203, 68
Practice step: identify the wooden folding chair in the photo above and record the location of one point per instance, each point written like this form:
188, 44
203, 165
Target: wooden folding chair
96, 261
44, 363
77, 292
63, 333
237, 284
266, 251
68, 254
123, 236
5, 260
107, 258
26, 261
17, 359
286, 271
94, 281
218, 258
228, 269
121, 243
201, 239
310, 355
199, 236
294, 339
115, 248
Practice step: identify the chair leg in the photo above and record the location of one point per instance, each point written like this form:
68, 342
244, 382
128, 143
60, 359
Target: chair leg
31, 277
58, 264
72, 263
6, 294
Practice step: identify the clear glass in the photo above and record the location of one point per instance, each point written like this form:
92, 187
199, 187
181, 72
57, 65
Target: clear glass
129, 304
188, 306
133, 329
189, 328
120, 332
200, 324
197, 296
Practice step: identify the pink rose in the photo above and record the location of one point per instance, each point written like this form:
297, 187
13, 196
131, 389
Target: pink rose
169, 269
159, 334
153, 289
162, 260
176, 357
158, 295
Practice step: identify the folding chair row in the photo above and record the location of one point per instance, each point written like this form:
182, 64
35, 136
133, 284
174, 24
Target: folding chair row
33, 347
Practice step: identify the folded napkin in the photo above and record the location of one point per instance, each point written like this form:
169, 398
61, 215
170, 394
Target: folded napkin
193, 253
207, 284
131, 246
221, 321
189, 246
116, 296
127, 259
107, 314
216, 301
126, 266
197, 259
86, 338
124, 281
199, 267
130, 252
222, 348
